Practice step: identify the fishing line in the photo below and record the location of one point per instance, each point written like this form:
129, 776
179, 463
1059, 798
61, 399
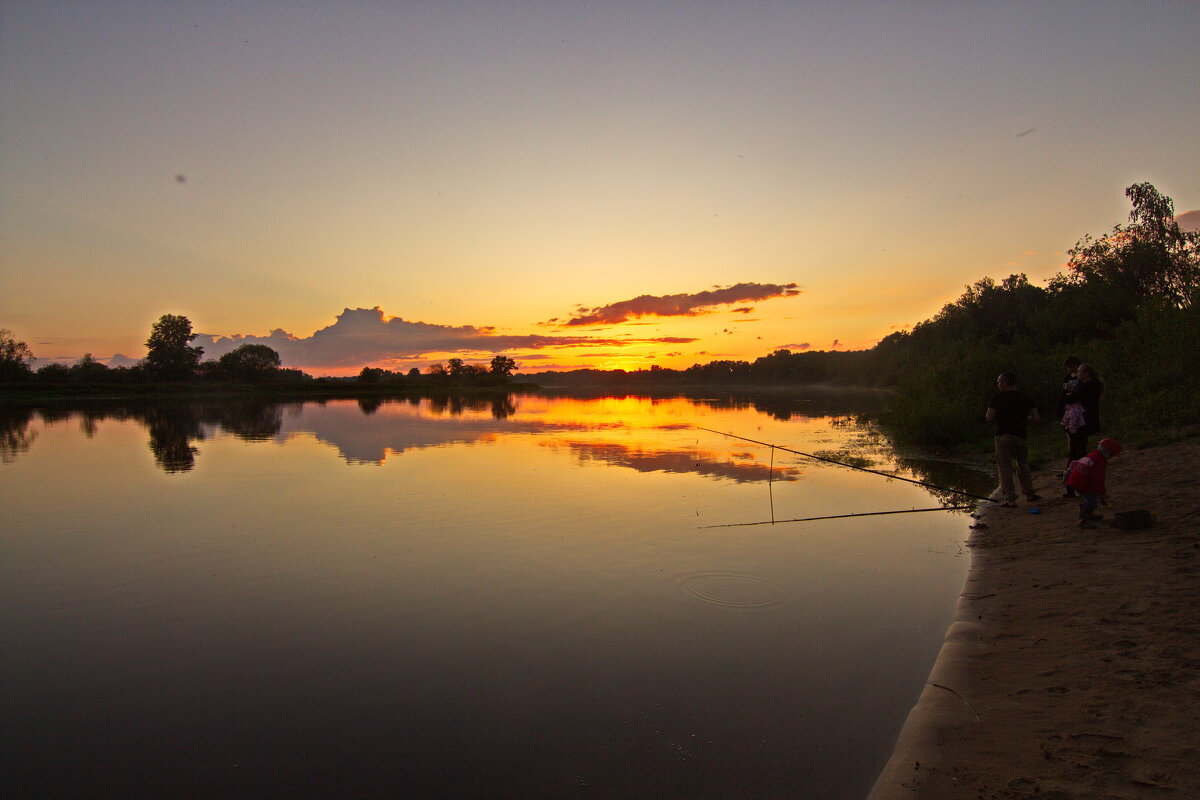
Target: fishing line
851, 466
836, 516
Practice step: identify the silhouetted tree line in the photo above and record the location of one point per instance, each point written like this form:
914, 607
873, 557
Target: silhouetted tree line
455, 372
783, 367
172, 358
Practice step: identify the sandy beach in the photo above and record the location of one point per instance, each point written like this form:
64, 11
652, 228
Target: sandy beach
1073, 669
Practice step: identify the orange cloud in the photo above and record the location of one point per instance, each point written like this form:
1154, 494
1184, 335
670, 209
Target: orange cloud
681, 305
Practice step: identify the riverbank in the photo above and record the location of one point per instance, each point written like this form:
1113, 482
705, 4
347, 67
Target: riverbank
1073, 669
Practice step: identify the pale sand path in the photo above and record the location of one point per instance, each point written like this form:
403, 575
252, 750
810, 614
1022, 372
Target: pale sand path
1073, 670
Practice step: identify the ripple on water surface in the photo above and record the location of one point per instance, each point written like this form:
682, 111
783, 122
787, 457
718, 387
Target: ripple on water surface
730, 589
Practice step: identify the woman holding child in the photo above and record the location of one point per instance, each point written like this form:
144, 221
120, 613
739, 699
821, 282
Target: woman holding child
1081, 412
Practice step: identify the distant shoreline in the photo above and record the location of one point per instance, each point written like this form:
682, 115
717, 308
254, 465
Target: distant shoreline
151, 391
88, 392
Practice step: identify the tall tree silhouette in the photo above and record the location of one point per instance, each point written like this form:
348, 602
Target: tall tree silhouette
171, 357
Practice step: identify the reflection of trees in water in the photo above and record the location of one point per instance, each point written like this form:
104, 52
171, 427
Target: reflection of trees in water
803, 401
88, 420
253, 421
172, 430
945, 476
15, 435
500, 406
173, 426
950, 474
176, 426
454, 405
504, 407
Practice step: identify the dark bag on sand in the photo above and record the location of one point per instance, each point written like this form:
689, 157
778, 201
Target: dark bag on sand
1133, 520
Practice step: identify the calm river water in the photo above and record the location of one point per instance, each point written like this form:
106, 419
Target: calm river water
512, 598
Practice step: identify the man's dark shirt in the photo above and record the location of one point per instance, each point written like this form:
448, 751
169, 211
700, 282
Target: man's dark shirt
1012, 411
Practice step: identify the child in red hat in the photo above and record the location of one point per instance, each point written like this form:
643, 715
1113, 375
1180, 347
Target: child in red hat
1086, 476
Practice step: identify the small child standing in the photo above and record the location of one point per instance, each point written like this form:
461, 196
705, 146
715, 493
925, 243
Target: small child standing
1086, 476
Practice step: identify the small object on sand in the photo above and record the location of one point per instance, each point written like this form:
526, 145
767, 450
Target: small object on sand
1034, 510
1133, 520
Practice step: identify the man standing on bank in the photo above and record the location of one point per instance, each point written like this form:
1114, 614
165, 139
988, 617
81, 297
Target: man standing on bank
1010, 409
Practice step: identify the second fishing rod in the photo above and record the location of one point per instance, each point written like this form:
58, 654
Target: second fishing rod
926, 484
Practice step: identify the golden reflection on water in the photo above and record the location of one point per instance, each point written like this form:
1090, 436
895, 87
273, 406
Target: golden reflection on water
485, 600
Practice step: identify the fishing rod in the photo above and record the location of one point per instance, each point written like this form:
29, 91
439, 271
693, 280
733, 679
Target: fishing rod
852, 466
836, 516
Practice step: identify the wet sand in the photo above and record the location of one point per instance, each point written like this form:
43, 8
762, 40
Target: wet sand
1073, 669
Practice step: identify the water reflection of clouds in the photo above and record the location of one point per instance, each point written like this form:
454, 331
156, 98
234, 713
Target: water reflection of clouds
370, 439
739, 467
638, 433
397, 429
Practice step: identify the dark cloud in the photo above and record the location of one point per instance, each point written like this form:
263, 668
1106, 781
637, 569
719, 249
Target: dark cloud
1189, 220
681, 305
365, 335
800, 346
742, 310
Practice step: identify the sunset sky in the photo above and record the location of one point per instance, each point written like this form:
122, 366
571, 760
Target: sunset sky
573, 184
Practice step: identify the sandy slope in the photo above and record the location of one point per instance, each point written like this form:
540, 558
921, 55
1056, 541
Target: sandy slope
1073, 670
